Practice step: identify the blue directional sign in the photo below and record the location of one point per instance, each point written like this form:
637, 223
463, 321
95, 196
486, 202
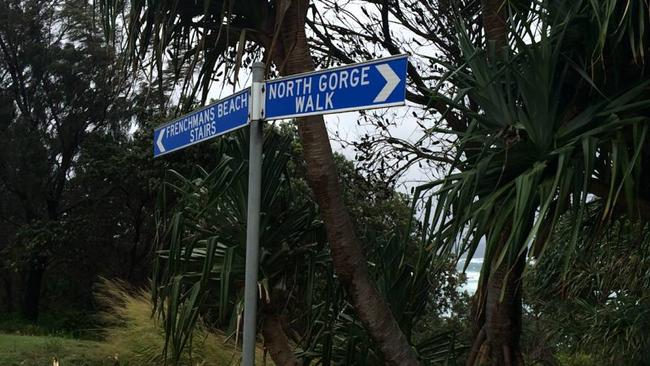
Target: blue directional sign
374, 84
202, 124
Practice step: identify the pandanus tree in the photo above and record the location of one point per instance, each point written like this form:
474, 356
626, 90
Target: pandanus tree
202, 240
557, 95
305, 316
197, 37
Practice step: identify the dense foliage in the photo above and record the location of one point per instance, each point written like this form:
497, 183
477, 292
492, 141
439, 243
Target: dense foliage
600, 306
66, 107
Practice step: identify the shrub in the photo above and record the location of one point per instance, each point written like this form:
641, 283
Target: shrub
135, 337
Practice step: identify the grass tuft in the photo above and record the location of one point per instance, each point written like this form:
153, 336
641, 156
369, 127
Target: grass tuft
133, 334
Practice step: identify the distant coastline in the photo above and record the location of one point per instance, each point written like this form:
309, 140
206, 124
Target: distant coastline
473, 273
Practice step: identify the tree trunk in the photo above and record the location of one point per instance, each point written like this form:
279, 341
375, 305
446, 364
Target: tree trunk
276, 341
291, 54
498, 320
497, 305
32, 291
493, 18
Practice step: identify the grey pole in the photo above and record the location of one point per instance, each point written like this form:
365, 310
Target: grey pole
253, 220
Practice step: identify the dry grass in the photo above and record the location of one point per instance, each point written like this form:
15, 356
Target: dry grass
137, 338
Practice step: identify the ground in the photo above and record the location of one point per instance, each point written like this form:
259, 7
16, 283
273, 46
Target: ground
22, 350
29, 350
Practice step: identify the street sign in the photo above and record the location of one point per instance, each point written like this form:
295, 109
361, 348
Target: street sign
373, 84
202, 124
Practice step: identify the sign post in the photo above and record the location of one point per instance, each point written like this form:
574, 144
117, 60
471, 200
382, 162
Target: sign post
253, 215
374, 84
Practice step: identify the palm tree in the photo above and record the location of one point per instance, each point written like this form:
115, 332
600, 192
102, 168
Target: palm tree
557, 96
206, 34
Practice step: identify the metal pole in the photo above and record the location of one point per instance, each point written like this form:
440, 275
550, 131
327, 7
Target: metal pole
253, 220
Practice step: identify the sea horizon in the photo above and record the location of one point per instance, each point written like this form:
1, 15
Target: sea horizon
472, 273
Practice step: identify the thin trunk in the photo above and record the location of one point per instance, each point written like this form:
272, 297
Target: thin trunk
33, 285
277, 343
292, 55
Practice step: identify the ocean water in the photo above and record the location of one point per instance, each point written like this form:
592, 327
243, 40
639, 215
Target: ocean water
473, 272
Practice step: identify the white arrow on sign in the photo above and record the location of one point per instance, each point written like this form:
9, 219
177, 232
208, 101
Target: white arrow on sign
391, 82
161, 147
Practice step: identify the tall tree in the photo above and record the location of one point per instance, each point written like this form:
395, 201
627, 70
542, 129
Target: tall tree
60, 78
349, 261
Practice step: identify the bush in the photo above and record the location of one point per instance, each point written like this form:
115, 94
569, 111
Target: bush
135, 337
